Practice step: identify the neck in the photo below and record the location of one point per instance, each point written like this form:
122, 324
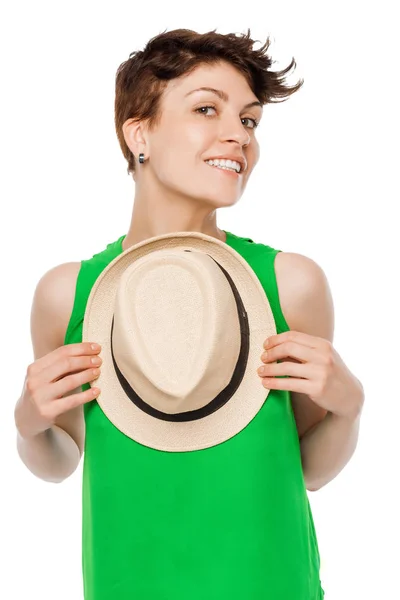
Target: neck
156, 214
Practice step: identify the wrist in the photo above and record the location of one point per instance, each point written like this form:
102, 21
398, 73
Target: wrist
23, 422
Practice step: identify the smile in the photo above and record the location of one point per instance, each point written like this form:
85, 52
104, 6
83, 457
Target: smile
233, 170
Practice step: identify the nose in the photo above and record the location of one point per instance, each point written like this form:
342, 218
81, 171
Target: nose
232, 129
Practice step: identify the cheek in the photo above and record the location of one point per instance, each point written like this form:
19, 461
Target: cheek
199, 135
174, 164
254, 152
253, 155
183, 150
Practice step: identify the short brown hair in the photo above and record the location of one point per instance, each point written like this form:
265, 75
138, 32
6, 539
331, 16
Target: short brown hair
142, 78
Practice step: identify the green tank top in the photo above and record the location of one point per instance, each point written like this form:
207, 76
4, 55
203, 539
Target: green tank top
230, 522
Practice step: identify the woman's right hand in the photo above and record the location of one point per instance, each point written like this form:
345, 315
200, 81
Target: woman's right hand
49, 378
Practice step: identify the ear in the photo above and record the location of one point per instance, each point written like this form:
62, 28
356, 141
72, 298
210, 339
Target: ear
135, 136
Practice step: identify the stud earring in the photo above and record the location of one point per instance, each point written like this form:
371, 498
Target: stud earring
141, 158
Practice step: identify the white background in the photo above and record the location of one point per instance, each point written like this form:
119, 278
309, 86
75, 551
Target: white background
325, 187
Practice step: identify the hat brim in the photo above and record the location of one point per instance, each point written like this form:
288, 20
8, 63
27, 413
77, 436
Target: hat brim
249, 397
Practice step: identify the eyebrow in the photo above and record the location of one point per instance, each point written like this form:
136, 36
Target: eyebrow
223, 95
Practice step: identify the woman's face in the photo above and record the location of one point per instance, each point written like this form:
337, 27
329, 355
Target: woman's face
189, 134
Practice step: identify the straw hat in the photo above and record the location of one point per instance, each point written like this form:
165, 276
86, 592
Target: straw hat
181, 319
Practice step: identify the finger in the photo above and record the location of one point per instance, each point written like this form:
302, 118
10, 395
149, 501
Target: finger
290, 369
293, 336
68, 350
72, 401
70, 382
289, 349
290, 384
65, 365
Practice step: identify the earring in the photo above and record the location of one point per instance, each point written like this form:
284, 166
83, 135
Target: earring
141, 157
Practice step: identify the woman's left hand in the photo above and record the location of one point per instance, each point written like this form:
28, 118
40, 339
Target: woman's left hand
317, 370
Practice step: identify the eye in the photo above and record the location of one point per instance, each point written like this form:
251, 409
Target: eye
255, 123
201, 108
204, 107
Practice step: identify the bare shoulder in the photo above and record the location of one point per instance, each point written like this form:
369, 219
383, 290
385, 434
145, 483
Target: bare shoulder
304, 294
307, 305
297, 273
52, 306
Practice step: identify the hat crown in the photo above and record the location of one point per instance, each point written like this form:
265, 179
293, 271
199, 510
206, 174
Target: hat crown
174, 311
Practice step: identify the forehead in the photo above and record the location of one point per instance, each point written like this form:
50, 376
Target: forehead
221, 75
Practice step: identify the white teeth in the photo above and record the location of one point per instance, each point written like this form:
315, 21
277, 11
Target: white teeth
223, 163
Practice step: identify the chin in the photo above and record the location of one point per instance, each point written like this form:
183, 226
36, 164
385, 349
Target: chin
219, 200
224, 202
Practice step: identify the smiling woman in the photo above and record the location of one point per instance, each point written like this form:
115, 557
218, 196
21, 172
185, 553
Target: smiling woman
232, 520
202, 97
194, 120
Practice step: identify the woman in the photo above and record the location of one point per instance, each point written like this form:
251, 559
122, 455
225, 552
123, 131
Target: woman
232, 521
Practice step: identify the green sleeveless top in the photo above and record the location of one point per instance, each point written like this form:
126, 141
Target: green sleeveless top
230, 522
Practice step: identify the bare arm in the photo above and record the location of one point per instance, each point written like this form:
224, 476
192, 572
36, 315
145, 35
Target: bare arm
52, 454
328, 447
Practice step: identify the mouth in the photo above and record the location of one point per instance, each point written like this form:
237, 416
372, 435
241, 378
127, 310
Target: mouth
226, 170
